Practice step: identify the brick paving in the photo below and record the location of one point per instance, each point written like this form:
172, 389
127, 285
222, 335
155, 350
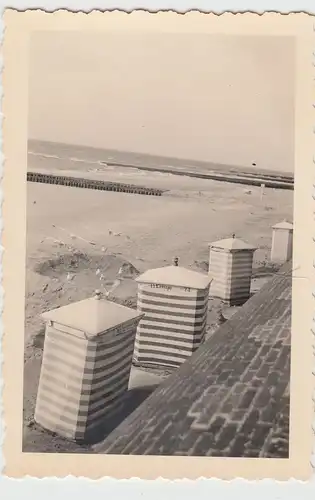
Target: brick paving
231, 398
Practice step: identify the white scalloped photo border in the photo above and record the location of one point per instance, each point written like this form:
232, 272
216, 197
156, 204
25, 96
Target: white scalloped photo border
311, 161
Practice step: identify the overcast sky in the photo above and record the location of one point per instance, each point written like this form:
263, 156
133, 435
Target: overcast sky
224, 99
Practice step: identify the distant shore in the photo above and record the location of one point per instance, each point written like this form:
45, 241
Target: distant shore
95, 155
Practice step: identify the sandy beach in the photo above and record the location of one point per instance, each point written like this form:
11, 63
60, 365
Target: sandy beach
79, 240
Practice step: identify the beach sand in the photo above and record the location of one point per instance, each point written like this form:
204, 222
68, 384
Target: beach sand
72, 232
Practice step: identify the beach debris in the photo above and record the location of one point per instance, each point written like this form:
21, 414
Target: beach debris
109, 291
74, 236
247, 191
140, 258
221, 318
56, 241
111, 233
70, 276
127, 270
45, 287
31, 423
202, 264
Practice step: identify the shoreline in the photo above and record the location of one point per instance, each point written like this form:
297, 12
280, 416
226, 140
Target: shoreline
143, 161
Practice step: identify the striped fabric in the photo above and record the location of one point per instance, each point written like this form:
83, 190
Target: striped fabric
231, 273
82, 380
173, 326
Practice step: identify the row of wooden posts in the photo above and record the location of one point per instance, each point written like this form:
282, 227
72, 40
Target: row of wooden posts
89, 345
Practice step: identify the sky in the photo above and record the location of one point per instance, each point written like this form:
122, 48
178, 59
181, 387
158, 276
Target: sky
222, 99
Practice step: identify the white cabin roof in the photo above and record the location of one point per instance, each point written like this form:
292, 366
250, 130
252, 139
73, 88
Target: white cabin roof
283, 225
92, 316
232, 245
175, 276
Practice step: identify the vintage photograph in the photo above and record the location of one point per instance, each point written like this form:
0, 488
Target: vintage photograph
158, 290
159, 244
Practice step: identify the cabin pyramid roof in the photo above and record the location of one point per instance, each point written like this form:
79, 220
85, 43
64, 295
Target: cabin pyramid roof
283, 225
232, 245
175, 276
92, 316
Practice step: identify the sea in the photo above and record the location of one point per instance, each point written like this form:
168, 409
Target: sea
60, 154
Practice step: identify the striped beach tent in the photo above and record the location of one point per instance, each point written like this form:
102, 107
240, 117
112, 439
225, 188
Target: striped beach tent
230, 267
86, 365
174, 301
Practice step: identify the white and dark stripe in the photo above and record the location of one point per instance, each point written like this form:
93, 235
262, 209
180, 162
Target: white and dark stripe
173, 326
231, 273
82, 380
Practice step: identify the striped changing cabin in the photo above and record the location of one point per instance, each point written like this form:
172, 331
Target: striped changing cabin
230, 267
86, 365
174, 301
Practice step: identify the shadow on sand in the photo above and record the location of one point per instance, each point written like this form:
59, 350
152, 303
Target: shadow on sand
132, 399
